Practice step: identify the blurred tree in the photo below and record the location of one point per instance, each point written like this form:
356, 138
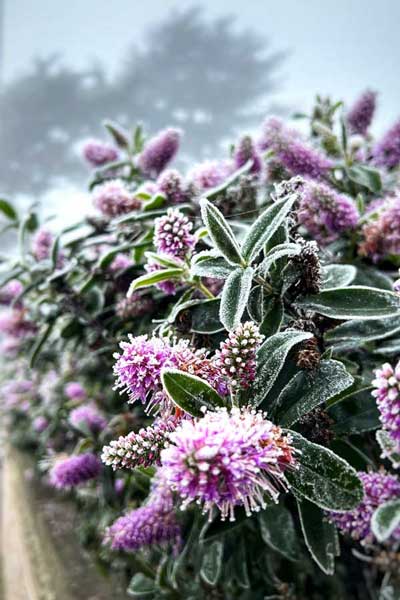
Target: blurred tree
204, 76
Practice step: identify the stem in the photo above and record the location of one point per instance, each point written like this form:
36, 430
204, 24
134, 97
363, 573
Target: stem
263, 283
200, 286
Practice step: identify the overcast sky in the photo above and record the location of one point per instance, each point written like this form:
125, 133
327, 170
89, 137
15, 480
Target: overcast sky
336, 48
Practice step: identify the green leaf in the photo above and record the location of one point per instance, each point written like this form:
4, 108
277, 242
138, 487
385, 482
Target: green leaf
366, 176
307, 391
265, 226
323, 477
235, 296
212, 267
287, 249
221, 189
357, 332
355, 413
271, 358
189, 392
150, 279
386, 519
118, 134
141, 586
334, 276
220, 232
8, 210
320, 535
372, 278
278, 532
212, 563
355, 302
40, 342
205, 317
273, 318
388, 447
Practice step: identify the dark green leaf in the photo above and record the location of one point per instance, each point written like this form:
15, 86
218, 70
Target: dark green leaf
355, 302
141, 586
296, 400
357, 332
278, 532
265, 226
386, 519
373, 278
366, 176
212, 267
388, 447
320, 535
41, 340
189, 392
8, 210
287, 249
355, 413
152, 278
273, 318
334, 276
212, 563
118, 134
323, 477
220, 232
235, 296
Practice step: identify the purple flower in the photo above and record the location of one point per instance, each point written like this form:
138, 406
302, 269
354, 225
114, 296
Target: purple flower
246, 151
98, 153
378, 489
89, 417
293, 154
360, 115
172, 234
237, 355
75, 391
209, 174
15, 323
120, 262
138, 368
141, 449
227, 460
325, 213
382, 235
159, 151
170, 183
387, 151
42, 244
134, 306
40, 424
10, 291
75, 470
387, 394
113, 199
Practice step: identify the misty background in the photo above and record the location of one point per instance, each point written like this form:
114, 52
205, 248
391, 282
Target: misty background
212, 67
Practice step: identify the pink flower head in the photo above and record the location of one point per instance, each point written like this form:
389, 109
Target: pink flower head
75, 391
209, 174
40, 424
134, 306
228, 459
120, 262
382, 235
360, 115
10, 291
246, 151
172, 234
387, 151
113, 199
171, 184
14, 323
378, 489
89, 417
159, 151
387, 394
98, 153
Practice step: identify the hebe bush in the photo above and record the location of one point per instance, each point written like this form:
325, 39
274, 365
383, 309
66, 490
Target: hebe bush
208, 363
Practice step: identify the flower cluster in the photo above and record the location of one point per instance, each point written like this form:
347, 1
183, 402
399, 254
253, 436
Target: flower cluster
75, 391
325, 213
387, 394
378, 489
237, 355
386, 153
70, 472
228, 459
172, 234
88, 416
361, 113
10, 291
134, 306
98, 153
381, 236
159, 151
113, 199
141, 449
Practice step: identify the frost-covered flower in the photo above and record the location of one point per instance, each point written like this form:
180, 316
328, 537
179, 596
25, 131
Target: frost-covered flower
98, 153
387, 151
10, 291
42, 245
74, 470
40, 424
15, 323
237, 355
228, 459
246, 151
89, 417
141, 449
292, 152
120, 262
382, 234
378, 489
325, 213
138, 368
171, 184
209, 174
75, 391
134, 306
387, 394
360, 115
172, 234
113, 199
159, 151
